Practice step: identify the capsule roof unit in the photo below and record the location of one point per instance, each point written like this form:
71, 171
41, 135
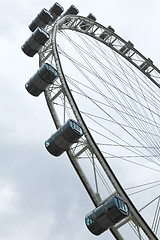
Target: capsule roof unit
111, 28
145, 65
71, 10
125, 49
42, 19
105, 34
56, 10
48, 73
91, 16
35, 42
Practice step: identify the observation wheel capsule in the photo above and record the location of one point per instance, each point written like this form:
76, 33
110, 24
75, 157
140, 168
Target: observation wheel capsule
42, 19
41, 79
64, 137
35, 42
106, 215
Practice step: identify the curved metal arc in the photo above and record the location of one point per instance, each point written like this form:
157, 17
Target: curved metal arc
139, 220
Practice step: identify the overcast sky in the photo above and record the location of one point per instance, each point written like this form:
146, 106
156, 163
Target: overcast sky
41, 197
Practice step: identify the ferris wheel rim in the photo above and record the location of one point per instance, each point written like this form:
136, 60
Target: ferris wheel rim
89, 137
95, 25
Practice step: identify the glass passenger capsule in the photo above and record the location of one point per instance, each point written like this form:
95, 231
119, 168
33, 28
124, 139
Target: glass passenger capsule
64, 137
42, 19
71, 10
41, 79
56, 10
106, 215
35, 42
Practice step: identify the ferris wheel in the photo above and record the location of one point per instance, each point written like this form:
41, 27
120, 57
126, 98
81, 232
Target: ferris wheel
103, 96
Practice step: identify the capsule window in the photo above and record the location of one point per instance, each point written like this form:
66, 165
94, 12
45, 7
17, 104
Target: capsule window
77, 128
89, 221
122, 206
47, 144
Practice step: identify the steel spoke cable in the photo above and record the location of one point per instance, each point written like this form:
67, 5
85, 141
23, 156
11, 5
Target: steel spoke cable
122, 124
156, 219
145, 189
93, 74
142, 109
153, 200
126, 146
142, 185
154, 102
131, 156
132, 162
83, 74
137, 233
150, 99
111, 156
131, 150
87, 53
137, 150
138, 98
103, 179
106, 55
153, 99
126, 158
121, 145
71, 80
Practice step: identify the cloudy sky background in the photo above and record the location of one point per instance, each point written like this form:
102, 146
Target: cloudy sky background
41, 197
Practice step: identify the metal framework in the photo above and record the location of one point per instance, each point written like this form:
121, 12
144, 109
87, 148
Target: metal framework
87, 144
